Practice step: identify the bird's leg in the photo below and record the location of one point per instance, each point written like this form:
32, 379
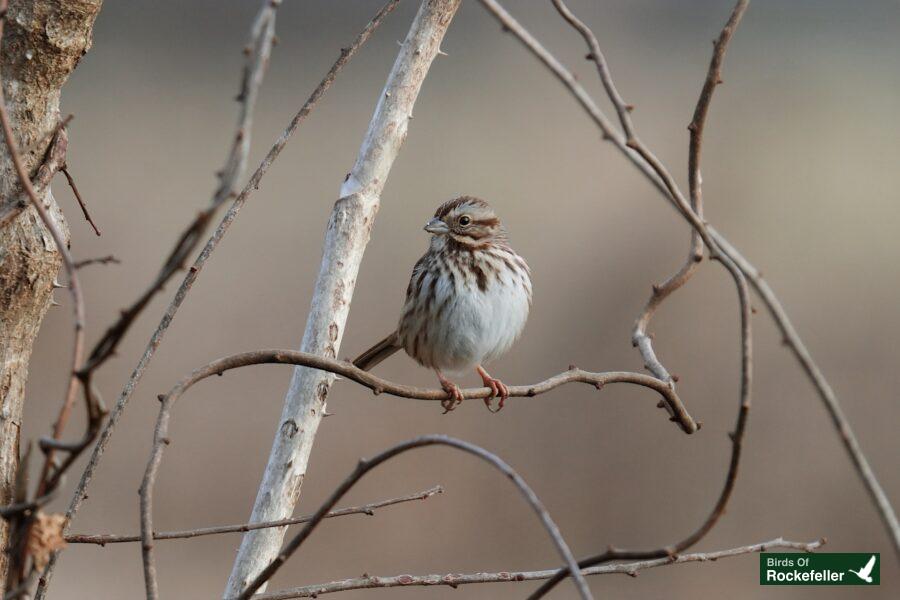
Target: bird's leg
452, 389
498, 388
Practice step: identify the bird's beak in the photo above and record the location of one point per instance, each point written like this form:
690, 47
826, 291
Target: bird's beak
436, 226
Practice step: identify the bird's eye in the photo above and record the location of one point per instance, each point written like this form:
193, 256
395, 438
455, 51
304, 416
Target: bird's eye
464, 220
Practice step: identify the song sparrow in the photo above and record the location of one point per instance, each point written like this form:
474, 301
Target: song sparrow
467, 300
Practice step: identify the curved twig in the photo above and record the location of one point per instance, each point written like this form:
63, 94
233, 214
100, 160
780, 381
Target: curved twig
364, 466
378, 385
365, 509
456, 579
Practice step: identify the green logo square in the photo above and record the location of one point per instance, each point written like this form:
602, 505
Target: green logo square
820, 568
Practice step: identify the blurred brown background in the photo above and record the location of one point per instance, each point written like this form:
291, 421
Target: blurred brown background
800, 172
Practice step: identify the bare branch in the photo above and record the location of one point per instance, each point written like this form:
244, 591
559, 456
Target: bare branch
101, 260
366, 509
364, 466
346, 238
194, 271
378, 385
456, 579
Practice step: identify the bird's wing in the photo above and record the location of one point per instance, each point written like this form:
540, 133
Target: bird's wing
868, 568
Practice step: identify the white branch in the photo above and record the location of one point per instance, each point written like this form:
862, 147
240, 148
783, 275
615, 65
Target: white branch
345, 241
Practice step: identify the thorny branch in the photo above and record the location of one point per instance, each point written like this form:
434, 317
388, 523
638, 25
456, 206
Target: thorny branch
455, 580
365, 509
81, 203
346, 54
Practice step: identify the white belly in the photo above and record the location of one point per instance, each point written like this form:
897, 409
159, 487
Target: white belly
466, 325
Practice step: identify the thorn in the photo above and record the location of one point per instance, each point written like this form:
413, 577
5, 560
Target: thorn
442, 53
56, 285
753, 309
573, 368
327, 414
661, 404
599, 385
731, 435
675, 378
720, 81
629, 107
54, 302
589, 56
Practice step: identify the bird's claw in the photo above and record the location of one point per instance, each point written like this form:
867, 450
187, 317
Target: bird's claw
454, 398
498, 388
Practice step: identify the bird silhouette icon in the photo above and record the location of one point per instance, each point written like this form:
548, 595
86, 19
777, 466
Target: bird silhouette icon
866, 572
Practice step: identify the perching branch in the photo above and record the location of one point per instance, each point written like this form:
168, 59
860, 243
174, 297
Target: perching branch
365, 509
194, 271
455, 580
345, 242
378, 385
364, 466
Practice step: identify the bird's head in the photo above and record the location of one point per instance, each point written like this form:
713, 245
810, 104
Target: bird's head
467, 220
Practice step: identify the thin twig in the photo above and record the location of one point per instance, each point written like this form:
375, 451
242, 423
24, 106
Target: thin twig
84, 210
364, 466
454, 580
366, 509
100, 260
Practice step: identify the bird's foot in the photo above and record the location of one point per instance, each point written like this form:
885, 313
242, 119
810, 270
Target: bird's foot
455, 396
497, 387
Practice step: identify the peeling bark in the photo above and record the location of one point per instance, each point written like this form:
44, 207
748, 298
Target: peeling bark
43, 42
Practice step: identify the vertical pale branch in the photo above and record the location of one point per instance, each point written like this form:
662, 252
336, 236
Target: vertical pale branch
345, 241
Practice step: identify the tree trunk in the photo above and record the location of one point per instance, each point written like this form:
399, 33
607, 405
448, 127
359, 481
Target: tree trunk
345, 241
42, 43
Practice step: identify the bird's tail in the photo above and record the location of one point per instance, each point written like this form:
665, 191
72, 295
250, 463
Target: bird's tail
378, 352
